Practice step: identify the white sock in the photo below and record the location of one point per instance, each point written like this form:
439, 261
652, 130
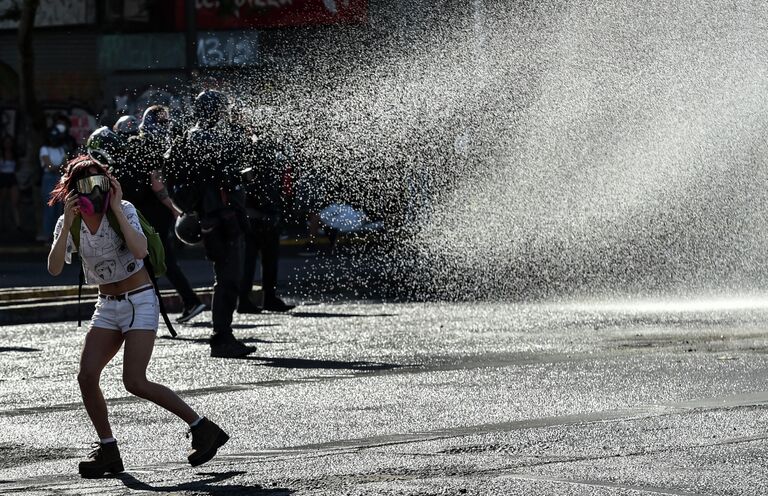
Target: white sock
194, 424
108, 440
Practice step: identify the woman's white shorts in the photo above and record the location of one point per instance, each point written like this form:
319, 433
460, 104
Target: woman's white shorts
137, 309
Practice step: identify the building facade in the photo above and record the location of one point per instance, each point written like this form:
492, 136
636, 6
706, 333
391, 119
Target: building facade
97, 60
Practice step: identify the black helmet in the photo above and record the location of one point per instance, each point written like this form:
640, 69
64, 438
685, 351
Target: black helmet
127, 125
210, 105
156, 120
104, 146
188, 229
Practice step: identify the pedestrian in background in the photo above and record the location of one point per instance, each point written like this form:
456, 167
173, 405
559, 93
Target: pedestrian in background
53, 156
127, 310
64, 125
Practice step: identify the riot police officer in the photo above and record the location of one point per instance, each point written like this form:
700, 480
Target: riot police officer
148, 149
264, 207
205, 179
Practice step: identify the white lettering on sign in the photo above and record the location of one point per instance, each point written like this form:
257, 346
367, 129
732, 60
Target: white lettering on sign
222, 49
332, 7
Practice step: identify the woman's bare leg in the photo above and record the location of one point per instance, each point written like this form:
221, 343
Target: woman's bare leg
138, 350
100, 347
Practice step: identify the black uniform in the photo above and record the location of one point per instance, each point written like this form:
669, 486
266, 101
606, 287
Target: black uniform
204, 178
144, 154
264, 207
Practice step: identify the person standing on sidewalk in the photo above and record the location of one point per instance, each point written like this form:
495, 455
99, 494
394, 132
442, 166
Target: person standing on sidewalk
53, 155
204, 173
64, 125
127, 310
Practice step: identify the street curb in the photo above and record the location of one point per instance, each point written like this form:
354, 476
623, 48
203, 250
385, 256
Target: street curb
18, 294
39, 311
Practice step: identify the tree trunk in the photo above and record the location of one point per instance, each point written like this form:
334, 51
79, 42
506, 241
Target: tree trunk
31, 113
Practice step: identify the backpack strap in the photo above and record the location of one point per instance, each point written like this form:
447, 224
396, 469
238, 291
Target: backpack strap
151, 272
81, 281
74, 230
114, 224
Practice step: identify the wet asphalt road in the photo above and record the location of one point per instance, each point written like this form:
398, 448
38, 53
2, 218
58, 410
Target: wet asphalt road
376, 398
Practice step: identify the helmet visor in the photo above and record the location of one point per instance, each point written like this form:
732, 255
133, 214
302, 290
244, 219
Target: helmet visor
87, 184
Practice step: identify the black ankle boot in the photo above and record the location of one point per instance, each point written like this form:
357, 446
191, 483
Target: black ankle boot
275, 304
207, 438
105, 458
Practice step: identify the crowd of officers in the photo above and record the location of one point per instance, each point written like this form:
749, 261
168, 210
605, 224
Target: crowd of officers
217, 183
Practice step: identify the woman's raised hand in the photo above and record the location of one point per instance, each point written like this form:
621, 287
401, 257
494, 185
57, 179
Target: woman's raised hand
116, 195
71, 209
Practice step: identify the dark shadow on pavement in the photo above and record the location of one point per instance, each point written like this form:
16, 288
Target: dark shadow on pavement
265, 341
5, 349
208, 325
186, 340
304, 363
206, 340
338, 315
205, 486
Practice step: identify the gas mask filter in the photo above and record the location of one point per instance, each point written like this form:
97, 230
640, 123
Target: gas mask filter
93, 194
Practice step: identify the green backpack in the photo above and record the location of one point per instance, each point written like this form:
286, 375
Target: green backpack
154, 261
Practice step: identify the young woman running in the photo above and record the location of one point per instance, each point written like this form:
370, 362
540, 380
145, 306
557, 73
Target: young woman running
126, 311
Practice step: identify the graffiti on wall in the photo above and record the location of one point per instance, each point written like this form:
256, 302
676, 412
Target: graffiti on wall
56, 13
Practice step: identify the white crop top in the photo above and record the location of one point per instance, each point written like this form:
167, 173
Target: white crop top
105, 256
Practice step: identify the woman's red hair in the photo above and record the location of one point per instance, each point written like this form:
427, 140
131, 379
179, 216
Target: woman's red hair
76, 169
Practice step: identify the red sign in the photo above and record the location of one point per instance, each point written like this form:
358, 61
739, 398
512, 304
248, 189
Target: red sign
239, 14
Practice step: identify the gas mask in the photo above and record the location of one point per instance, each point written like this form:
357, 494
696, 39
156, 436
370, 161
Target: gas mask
93, 194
